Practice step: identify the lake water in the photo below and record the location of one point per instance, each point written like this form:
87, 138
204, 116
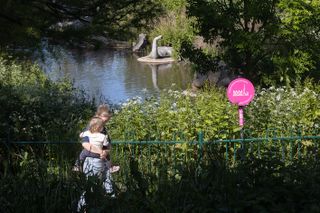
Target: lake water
113, 75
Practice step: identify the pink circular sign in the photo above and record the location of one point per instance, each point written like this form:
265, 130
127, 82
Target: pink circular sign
240, 91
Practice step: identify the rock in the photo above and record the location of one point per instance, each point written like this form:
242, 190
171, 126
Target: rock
199, 80
221, 77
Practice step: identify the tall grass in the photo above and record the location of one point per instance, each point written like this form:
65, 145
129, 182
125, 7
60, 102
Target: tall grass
36, 183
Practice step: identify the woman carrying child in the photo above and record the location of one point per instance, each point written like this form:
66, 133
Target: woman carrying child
103, 113
97, 144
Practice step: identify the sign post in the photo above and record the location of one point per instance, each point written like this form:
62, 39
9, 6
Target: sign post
240, 92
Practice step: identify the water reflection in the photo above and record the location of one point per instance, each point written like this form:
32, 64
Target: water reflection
155, 68
113, 75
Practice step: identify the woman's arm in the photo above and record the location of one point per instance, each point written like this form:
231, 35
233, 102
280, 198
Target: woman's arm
92, 148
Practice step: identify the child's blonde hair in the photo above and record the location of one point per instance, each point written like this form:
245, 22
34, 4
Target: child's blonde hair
95, 125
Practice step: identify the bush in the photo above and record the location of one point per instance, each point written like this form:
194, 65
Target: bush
35, 108
175, 114
179, 114
285, 108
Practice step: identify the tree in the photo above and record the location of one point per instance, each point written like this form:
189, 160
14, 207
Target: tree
174, 26
27, 21
300, 21
255, 36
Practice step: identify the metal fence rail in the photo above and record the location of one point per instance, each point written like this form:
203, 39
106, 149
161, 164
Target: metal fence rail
286, 144
158, 159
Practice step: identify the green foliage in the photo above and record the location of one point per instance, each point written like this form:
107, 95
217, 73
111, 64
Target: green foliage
174, 26
264, 184
300, 16
182, 116
174, 5
244, 29
32, 187
292, 67
274, 41
31, 21
299, 34
35, 108
129, 20
202, 60
175, 113
285, 108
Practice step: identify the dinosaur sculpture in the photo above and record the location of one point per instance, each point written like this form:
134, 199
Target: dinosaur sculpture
159, 52
142, 42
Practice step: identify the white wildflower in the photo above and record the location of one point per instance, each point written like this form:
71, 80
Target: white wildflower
182, 109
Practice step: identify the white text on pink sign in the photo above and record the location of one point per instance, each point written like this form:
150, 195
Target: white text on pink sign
238, 93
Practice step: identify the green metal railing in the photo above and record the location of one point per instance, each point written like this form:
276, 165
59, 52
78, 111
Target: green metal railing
169, 156
251, 140
149, 163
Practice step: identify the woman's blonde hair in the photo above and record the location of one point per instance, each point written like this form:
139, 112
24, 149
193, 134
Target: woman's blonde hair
102, 110
95, 125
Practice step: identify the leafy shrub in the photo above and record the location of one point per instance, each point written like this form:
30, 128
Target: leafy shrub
35, 108
285, 108
175, 113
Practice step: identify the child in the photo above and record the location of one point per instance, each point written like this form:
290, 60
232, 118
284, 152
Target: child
97, 139
104, 114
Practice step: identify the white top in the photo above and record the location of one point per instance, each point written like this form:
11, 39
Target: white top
97, 139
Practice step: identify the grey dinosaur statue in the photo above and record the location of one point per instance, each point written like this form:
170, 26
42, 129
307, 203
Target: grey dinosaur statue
159, 52
142, 42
